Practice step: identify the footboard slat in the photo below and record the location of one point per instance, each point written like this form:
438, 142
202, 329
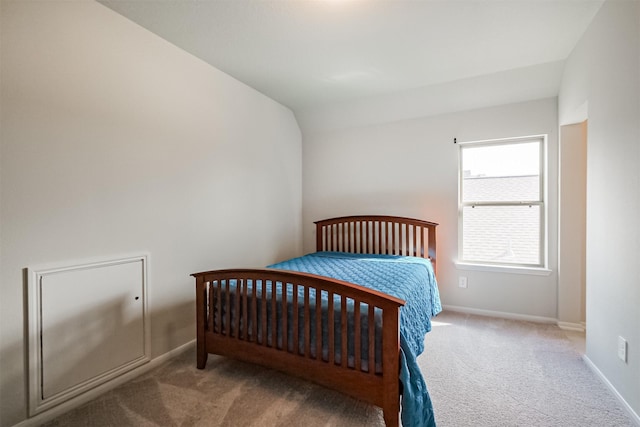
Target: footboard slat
274, 317
227, 300
263, 317
218, 286
372, 347
236, 310
296, 326
318, 333
331, 330
244, 332
254, 313
284, 320
357, 333
344, 327
307, 324
211, 308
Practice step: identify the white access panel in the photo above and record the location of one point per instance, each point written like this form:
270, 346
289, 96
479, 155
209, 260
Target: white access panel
88, 324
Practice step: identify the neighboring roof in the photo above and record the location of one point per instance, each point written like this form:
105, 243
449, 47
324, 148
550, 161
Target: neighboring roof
501, 234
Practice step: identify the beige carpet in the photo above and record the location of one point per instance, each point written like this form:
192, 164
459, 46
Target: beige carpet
484, 371
480, 371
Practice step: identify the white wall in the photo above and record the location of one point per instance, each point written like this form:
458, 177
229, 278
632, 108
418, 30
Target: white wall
116, 142
572, 224
506, 87
410, 168
603, 72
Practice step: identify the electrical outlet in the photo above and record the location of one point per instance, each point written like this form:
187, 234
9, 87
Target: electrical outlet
622, 349
462, 282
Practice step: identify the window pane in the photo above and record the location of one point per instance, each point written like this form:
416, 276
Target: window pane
501, 234
500, 173
501, 189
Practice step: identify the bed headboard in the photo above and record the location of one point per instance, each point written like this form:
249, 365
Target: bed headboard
378, 234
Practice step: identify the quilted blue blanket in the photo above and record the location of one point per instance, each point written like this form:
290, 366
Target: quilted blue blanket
409, 278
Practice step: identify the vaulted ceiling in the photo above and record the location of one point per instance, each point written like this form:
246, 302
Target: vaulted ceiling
308, 54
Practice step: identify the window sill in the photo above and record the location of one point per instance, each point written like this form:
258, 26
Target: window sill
533, 271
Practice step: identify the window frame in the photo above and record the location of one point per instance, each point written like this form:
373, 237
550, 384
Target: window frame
542, 202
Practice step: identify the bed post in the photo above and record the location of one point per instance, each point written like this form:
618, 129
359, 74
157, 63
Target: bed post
201, 322
391, 365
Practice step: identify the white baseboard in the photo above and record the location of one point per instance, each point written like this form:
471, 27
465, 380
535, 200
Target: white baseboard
101, 389
613, 390
500, 314
568, 326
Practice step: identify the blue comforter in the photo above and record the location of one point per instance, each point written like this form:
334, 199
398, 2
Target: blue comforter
409, 278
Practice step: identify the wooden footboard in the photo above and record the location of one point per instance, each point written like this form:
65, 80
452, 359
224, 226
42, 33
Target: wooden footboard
275, 318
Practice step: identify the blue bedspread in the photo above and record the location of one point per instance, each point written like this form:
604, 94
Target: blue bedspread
409, 278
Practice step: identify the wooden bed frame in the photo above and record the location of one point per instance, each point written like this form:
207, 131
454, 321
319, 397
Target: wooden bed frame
222, 330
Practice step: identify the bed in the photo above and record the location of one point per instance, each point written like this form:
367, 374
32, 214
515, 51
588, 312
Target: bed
331, 316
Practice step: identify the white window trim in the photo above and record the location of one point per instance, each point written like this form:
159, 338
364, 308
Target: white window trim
502, 268
543, 267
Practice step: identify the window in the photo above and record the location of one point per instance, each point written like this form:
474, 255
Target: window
502, 202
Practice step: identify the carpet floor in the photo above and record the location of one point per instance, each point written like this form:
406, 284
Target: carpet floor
481, 371
484, 371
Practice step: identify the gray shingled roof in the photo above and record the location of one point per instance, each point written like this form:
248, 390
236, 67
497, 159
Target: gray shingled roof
508, 234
